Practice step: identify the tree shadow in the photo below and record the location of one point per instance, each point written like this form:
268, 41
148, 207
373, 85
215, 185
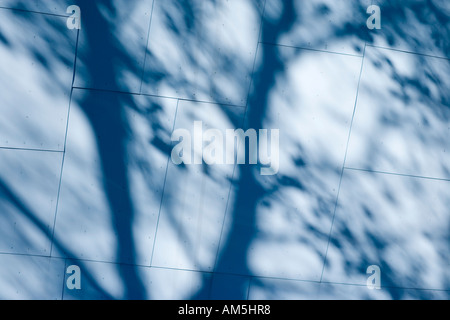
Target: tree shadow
107, 64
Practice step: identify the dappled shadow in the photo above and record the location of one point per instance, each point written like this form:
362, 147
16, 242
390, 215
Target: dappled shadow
360, 183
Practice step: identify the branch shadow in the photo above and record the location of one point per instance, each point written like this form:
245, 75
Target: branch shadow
298, 207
